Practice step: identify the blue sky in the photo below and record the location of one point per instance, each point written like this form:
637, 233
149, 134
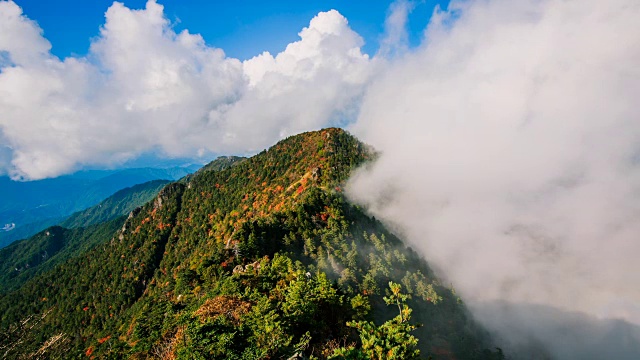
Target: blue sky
241, 28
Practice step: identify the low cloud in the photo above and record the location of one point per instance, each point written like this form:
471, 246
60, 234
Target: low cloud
510, 143
145, 88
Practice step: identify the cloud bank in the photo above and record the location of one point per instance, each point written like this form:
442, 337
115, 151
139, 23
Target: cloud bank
510, 146
144, 88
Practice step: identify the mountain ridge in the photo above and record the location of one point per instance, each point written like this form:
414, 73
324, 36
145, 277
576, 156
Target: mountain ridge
120, 203
35, 205
259, 226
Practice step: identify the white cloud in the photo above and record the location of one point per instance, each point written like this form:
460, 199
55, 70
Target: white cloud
20, 36
395, 41
510, 145
328, 43
143, 88
314, 82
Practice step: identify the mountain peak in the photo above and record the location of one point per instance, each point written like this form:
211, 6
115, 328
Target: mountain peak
221, 163
333, 150
270, 240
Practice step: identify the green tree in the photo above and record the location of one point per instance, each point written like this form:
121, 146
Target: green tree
391, 340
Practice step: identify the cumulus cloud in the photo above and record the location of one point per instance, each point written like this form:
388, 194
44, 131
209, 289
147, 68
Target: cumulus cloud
19, 36
145, 88
510, 143
315, 82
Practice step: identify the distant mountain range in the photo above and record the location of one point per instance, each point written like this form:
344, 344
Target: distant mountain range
31, 206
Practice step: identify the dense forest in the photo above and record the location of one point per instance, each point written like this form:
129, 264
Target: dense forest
24, 259
261, 258
121, 203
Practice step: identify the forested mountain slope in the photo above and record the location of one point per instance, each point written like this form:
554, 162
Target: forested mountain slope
221, 163
265, 259
116, 205
23, 259
32, 206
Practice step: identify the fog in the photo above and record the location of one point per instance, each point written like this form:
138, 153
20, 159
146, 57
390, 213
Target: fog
509, 149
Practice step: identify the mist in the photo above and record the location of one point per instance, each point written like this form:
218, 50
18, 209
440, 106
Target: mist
509, 156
